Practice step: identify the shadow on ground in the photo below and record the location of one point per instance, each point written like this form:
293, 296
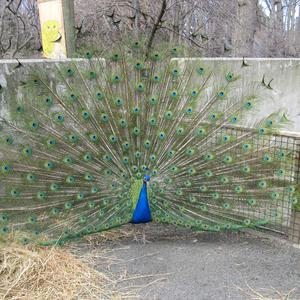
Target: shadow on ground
170, 263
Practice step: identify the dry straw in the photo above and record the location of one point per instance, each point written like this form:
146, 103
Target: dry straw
266, 294
31, 272
27, 273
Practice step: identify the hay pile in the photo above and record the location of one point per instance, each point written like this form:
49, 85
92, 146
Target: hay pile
27, 273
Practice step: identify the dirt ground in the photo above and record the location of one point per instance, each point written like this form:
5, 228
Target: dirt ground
169, 263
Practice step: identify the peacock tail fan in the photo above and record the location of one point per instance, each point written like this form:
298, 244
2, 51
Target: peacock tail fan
81, 136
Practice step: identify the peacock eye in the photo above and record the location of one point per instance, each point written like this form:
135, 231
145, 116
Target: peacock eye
194, 93
229, 76
174, 72
200, 70
269, 123
161, 135
88, 55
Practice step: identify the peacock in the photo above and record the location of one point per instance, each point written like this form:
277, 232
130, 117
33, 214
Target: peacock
133, 135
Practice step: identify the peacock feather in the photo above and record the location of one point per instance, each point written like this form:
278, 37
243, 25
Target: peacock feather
83, 138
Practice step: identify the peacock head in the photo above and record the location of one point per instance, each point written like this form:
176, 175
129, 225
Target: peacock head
147, 178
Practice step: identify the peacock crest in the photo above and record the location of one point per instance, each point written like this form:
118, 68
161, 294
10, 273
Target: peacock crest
83, 138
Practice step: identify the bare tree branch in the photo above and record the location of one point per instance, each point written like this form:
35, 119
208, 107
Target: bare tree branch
157, 25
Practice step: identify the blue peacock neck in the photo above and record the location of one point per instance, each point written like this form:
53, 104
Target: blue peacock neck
142, 212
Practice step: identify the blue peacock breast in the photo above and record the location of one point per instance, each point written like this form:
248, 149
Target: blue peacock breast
139, 196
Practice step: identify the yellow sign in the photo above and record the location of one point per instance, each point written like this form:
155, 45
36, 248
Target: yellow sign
52, 25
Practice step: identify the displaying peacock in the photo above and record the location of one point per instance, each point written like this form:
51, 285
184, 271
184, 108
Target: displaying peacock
135, 136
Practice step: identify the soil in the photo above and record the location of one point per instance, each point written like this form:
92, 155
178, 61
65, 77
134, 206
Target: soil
170, 263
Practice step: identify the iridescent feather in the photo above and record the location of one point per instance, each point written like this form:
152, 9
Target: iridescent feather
81, 136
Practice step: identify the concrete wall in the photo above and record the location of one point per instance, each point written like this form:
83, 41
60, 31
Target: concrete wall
286, 86
284, 72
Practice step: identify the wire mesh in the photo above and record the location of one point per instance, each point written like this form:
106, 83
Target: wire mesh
284, 212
